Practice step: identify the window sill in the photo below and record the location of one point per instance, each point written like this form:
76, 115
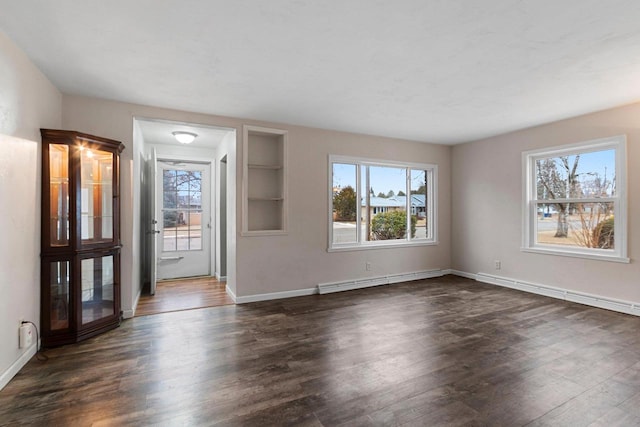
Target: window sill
364, 247
593, 256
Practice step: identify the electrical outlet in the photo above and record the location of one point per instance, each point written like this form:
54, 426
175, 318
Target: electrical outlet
26, 335
498, 264
368, 266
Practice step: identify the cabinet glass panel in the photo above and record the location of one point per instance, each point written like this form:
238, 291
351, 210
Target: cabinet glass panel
96, 195
98, 298
59, 194
59, 285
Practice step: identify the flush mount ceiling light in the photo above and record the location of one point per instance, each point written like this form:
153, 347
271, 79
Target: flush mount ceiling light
184, 137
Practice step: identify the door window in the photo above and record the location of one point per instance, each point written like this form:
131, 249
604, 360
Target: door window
182, 210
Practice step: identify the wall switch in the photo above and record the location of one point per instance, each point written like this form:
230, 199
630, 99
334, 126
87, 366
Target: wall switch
498, 264
368, 266
26, 336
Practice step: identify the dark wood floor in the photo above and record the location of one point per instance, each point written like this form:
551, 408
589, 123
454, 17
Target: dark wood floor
445, 351
184, 294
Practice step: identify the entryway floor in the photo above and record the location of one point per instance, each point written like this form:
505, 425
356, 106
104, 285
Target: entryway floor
184, 294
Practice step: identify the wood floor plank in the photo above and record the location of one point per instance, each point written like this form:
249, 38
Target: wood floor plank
184, 294
445, 351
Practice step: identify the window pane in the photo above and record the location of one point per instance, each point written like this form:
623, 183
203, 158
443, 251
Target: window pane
586, 225
169, 189
169, 229
388, 208
195, 183
183, 198
576, 176
345, 203
419, 204
182, 180
195, 230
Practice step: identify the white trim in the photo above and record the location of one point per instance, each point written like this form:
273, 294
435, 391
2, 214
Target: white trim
231, 294
595, 255
462, 274
245, 232
275, 295
128, 314
599, 301
15, 367
530, 200
344, 247
220, 278
347, 285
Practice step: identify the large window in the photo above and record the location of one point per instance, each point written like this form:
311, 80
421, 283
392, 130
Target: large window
575, 200
374, 203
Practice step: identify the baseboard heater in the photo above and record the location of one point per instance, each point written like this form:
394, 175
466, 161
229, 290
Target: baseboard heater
563, 294
347, 285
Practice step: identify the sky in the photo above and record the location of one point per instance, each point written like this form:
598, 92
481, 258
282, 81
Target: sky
601, 163
382, 179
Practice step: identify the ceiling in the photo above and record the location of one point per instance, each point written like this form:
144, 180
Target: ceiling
443, 71
160, 132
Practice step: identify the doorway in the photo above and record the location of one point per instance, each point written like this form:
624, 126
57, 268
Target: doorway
184, 216
222, 215
183, 207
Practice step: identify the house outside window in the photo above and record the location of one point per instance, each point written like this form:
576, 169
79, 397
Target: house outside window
575, 200
375, 203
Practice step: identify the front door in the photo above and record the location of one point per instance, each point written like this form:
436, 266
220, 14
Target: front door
183, 206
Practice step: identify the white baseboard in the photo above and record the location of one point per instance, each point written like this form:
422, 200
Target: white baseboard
275, 295
128, 314
220, 278
231, 294
462, 274
598, 301
7, 375
325, 288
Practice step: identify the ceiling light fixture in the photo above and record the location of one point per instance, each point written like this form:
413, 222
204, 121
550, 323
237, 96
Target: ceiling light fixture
184, 137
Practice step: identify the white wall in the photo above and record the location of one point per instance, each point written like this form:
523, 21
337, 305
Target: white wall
487, 207
298, 260
140, 165
228, 148
115, 120
28, 102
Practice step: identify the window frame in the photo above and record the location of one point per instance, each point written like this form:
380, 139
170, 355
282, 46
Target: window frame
619, 200
430, 202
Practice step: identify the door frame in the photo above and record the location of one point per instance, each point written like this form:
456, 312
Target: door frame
211, 162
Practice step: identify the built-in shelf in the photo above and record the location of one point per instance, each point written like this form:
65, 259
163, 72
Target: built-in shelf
264, 181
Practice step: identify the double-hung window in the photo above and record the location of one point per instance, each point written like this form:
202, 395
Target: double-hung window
575, 200
375, 203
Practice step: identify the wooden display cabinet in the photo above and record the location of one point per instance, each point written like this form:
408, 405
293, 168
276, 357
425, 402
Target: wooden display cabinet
80, 259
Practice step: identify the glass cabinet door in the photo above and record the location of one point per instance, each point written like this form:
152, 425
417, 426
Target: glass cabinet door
59, 194
96, 195
59, 275
98, 293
